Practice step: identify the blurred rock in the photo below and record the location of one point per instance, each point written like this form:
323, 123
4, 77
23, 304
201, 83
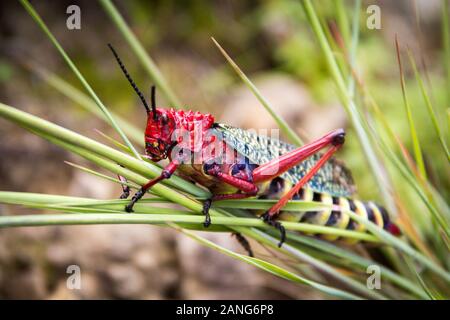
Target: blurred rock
22, 270
126, 261
90, 186
127, 282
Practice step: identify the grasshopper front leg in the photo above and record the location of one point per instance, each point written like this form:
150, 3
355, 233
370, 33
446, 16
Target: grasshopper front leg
165, 174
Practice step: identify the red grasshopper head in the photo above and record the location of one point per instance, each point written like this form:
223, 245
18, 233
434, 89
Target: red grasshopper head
162, 123
159, 132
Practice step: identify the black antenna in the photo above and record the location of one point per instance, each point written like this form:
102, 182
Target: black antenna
154, 102
127, 75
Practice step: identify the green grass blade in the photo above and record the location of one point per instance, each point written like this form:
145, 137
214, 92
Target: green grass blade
424, 194
105, 218
342, 20
83, 81
139, 51
282, 124
262, 204
100, 175
412, 128
353, 47
423, 284
15, 198
427, 101
114, 142
446, 44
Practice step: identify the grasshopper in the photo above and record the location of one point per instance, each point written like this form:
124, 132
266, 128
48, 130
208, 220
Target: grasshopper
236, 164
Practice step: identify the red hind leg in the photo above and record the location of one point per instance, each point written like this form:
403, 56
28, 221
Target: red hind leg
278, 166
336, 142
282, 202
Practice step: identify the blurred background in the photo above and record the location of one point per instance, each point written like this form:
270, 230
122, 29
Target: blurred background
271, 41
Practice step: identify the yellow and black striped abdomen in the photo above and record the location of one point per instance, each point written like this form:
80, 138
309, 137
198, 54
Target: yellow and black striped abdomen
327, 217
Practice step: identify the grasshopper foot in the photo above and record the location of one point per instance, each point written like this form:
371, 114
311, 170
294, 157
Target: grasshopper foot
136, 197
267, 218
206, 206
129, 207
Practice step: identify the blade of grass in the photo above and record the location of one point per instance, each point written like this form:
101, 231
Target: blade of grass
139, 51
427, 101
257, 235
342, 20
294, 205
284, 127
113, 141
103, 176
353, 73
231, 221
414, 183
412, 128
446, 44
353, 47
422, 283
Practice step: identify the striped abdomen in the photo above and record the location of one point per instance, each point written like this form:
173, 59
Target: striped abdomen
328, 217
